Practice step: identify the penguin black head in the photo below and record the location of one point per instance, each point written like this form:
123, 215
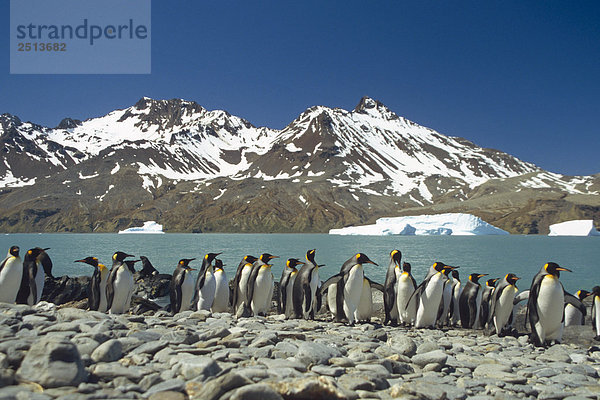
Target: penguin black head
93, 261
511, 278
218, 264
32, 254
250, 259
554, 269
406, 267
14, 251
293, 262
582, 294
439, 266
446, 271
310, 256
396, 256
130, 264
596, 291
119, 256
491, 282
455, 274
209, 257
184, 262
475, 277
266, 257
362, 258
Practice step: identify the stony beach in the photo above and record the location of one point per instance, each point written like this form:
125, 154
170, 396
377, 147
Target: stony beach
49, 352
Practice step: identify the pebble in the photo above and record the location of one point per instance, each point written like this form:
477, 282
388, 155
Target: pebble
76, 354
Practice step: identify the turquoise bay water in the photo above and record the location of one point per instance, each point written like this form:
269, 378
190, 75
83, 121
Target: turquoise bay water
495, 255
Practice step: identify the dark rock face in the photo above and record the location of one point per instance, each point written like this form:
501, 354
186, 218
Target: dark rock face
152, 286
65, 289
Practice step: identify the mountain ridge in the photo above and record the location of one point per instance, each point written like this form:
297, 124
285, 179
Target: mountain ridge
366, 163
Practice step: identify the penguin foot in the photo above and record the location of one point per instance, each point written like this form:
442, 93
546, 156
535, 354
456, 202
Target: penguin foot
597, 338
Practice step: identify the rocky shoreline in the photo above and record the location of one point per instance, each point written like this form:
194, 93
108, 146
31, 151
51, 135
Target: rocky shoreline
49, 352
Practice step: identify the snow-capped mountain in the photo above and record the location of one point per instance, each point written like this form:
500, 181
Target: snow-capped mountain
366, 161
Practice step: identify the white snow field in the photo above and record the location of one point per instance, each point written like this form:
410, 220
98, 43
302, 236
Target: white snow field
578, 227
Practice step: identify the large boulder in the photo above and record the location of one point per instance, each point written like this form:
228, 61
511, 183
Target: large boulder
52, 362
65, 289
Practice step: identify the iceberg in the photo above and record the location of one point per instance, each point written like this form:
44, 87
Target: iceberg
438, 224
148, 227
578, 227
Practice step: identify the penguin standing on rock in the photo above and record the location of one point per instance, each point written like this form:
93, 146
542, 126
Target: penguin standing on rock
429, 295
444, 309
406, 286
206, 286
596, 311
364, 312
119, 287
470, 302
240, 285
35, 264
456, 291
350, 286
11, 275
222, 289
305, 289
501, 304
286, 287
260, 285
390, 303
545, 306
486, 299
181, 289
97, 286
575, 310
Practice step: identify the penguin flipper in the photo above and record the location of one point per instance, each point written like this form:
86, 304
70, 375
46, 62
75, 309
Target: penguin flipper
333, 280
250, 289
23, 292
94, 291
4, 263
306, 295
376, 286
33, 284
417, 291
110, 289
532, 311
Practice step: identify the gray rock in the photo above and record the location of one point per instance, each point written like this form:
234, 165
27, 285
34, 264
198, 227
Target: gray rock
255, 391
21, 393
172, 385
322, 387
402, 344
328, 371
436, 356
51, 363
316, 353
214, 389
109, 351
110, 371
198, 367
427, 346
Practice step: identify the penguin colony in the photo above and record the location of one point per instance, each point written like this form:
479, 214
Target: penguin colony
440, 300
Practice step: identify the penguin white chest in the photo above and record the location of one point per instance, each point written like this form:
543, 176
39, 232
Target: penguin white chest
572, 315
352, 291
206, 295
103, 279
314, 285
123, 289
40, 279
504, 307
596, 314
429, 301
405, 289
365, 305
10, 279
221, 292
289, 290
263, 291
187, 292
243, 285
550, 303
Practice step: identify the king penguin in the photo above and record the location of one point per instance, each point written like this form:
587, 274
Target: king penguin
206, 286
470, 302
407, 303
97, 286
596, 311
11, 274
286, 287
456, 291
445, 303
486, 299
304, 292
350, 286
35, 265
222, 289
501, 304
429, 295
545, 306
181, 289
575, 310
364, 311
260, 285
390, 303
119, 287
239, 286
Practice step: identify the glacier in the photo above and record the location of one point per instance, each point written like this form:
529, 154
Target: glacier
148, 227
437, 224
578, 227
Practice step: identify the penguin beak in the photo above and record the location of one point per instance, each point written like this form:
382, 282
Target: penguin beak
372, 262
563, 269
47, 248
79, 261
482, 275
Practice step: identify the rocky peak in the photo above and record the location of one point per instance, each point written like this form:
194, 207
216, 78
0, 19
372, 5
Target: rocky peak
367, 105
8, 121
68, 123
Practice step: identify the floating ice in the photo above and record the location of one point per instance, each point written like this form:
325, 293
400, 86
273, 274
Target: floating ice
578, 227
149, 227
439, 224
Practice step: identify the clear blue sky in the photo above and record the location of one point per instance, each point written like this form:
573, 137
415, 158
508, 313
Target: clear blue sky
519, 76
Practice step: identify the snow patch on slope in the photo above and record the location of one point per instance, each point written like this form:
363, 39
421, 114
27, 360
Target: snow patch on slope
581, 227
